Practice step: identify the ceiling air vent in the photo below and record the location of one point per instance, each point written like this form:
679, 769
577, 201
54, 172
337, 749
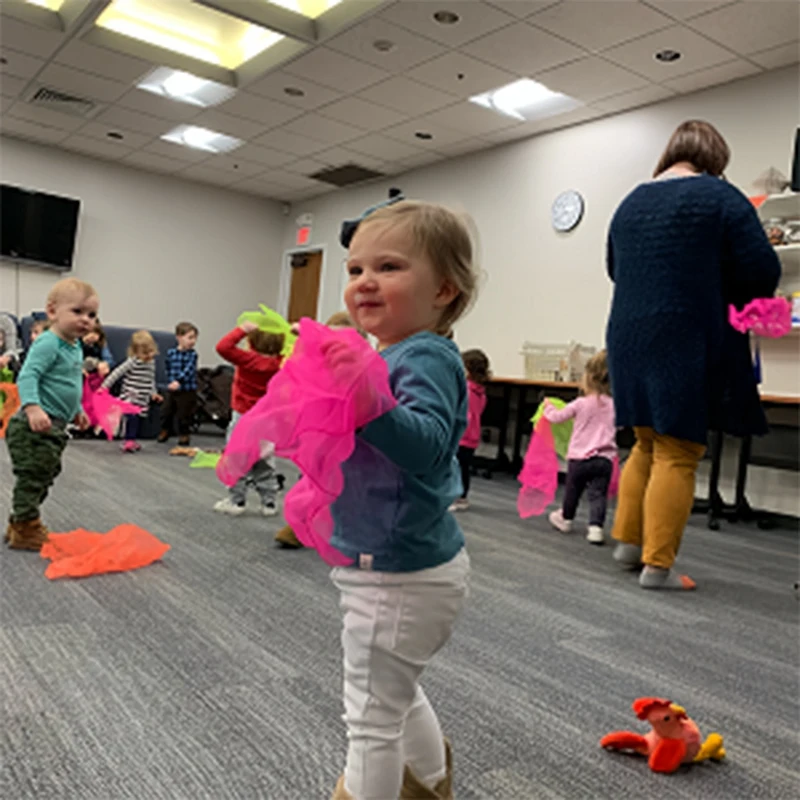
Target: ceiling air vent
345, 175
60, 101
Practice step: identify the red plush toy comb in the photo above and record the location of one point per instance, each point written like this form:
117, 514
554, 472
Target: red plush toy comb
642, 706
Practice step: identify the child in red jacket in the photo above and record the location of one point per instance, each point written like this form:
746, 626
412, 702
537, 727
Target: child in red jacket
255, 367
476, 365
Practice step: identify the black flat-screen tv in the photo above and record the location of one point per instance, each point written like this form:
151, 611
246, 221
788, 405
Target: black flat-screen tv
37, 228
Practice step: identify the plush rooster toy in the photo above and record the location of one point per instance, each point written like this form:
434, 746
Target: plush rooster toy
674, 739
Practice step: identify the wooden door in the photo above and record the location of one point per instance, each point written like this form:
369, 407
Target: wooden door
304, 292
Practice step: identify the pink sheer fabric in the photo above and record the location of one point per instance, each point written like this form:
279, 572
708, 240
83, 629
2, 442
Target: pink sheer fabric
766, 316
105, 411
539, 475
333, 384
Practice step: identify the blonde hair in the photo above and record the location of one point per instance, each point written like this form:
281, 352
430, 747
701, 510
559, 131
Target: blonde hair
142, 343
444, 237
67, 287
595, 377
699, 143
341, 319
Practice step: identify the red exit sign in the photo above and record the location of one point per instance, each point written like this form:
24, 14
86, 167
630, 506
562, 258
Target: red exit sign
303, 235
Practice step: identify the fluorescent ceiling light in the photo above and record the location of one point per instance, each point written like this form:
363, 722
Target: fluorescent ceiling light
308, 8
202, 139
190, 29
185, 87
50, 5
526, 100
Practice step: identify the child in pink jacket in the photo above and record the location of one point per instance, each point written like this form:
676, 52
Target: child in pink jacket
476, 365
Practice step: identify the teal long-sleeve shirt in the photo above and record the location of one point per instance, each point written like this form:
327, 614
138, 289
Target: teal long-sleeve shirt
392, 514
51, 376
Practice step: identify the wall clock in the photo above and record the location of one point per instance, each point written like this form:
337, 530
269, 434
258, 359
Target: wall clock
567, 211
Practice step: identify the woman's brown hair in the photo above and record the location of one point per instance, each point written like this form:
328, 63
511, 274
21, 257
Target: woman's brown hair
476, 363
699, 143
596, 379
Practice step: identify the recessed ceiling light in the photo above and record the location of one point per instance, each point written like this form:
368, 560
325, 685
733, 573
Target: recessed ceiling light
446, 17
423, 135
667, 55
526, 100
384, 45
185, 87
293, 91
50, 5
115, 135
202, 139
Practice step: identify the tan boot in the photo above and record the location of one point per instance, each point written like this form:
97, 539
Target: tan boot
340, 793
28, 535
286, 538
414, 789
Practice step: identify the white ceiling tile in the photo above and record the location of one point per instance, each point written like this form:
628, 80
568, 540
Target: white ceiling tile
30, 39
523, 49
12, 87
472, 145
5, 104
591, 79
523, 8
100, 130
380, 146
134, 121
470, 119
461, 75
520, 131
337, 156
291, 142
96, 148
596, 26
576, 117
442, 135
31, 130
696, 51
235, 164
83, 84
151, 161
270, 113
639, 97
177, 152
102, 61
273, 86
409, 49
366, 115
686, 9
20, 65
201, 172
325, 130
335, 70
149, 103
291, 180
778, 57
408, 97
731, 71
307, 166
750, 27
420, 160
260, 188
264, 156
475, 19
219, 121
45, 116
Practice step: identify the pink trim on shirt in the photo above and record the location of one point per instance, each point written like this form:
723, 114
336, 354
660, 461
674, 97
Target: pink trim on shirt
476, 402
594, 431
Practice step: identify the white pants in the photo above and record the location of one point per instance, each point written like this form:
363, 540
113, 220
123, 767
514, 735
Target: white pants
394, 623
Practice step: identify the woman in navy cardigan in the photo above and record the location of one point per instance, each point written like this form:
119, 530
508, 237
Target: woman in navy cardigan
680, 249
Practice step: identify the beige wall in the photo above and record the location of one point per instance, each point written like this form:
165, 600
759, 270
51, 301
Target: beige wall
157, 249
544, 287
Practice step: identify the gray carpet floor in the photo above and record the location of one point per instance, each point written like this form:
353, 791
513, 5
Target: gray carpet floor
216, 672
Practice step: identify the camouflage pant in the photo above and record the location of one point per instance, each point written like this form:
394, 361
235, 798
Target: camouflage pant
36, 463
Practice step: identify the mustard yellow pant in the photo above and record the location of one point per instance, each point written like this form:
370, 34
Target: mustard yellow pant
656, 493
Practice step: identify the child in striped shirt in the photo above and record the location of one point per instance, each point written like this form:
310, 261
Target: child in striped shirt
138, 373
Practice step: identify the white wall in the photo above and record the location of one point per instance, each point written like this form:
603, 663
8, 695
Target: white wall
545, 287
157, 249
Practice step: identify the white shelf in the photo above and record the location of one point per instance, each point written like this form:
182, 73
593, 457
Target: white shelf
780, 206
789, 254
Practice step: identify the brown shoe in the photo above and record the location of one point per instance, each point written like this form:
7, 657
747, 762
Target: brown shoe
285, 538
28, 535
414, 789
162, 436
184, 441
